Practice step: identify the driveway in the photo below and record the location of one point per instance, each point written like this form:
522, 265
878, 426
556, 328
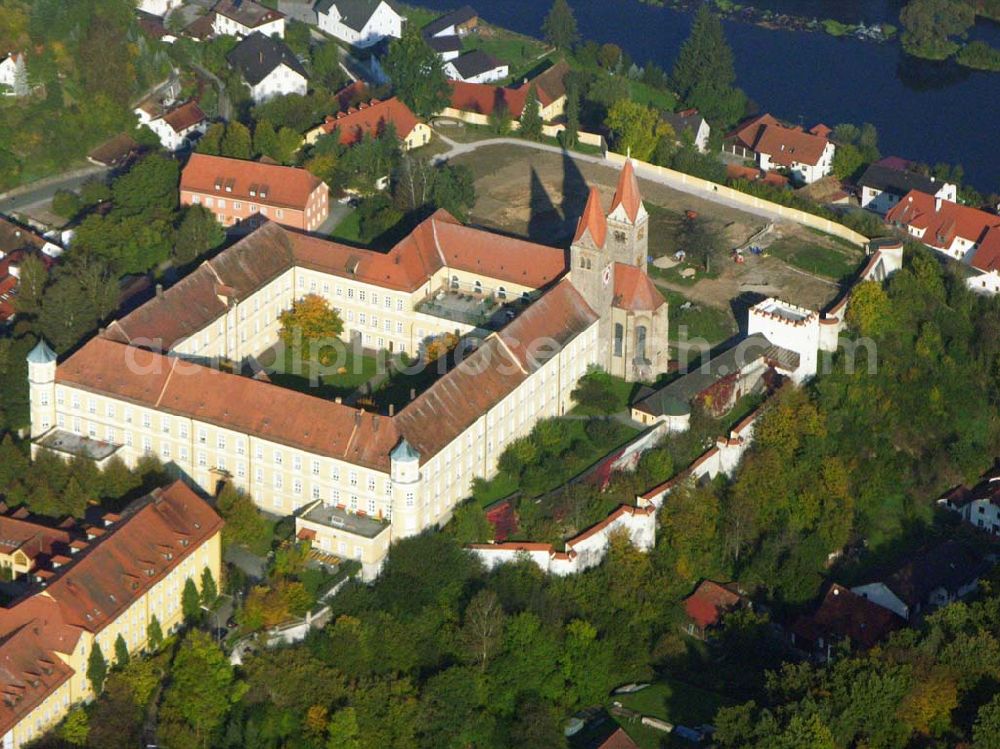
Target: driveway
254, 566
22, 198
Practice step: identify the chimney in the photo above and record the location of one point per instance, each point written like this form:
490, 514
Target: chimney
413, 393
937, 205
260, 55
392, 410
338, 400
159, 289
374, 422
357, 417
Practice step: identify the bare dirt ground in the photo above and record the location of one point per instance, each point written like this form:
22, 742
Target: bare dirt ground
540, 196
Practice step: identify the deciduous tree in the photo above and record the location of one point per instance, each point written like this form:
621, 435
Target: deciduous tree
417, 73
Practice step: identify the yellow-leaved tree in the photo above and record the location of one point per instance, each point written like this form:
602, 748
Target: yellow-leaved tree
310, 321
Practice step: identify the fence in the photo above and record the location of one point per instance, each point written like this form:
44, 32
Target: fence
715, 191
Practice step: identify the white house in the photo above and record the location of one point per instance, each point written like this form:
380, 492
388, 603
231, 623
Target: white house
269, 67
937, 577
691, 122
361, 23
805, 155
176, 127
158, 7
14, 74
882, 187
245, 17
978, 506
476, 67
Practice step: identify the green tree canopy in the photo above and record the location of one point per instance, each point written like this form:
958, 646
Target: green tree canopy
417, 73
929, 27
559, 26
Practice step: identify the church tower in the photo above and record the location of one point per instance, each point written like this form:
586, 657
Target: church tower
592, 268
628, 236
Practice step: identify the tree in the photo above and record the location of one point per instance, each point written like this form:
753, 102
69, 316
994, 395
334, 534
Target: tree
847, 161
244, 524
149, 188
869, 310
97, 668
482, 631
930, 25
121, 651
191, 601
154, 634
66, 203
571, 134
236, 143
636, 128
531, 116
594, 390
76, 727
31, 285
202, 690
417, 72
559, 26
265, 139
310, 322
454, 189
343, 730
211, 142
986, 731
704, 76
209, 589
198, 233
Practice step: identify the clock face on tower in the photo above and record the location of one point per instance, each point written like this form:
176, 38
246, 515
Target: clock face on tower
607, 275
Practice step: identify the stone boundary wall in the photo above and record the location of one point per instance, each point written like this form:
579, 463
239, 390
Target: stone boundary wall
714, 191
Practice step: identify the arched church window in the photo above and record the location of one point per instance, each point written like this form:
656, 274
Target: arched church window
619, 236
619, 338
640, 343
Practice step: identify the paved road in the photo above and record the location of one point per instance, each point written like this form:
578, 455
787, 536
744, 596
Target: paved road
21, 199
225, 105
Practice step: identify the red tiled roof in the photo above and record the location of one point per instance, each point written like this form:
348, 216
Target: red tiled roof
31, 538
784, 144
634, 290
709, 602
16, 237
29, 672
592, 220
482, 98
942, 225
284, 185
846, 614
186, 115
371, 118
351, 94
627, 193
618, 740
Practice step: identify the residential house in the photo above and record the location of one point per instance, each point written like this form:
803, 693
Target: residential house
175, 126
361, 23
159, 8
17, 243
843, 616
248, 193
458, 23
883, 186
709, 603
689, 123
243, 18
372, 118
932, 578
115, 152
14, 74
447, 47
354, 480
28, 545
978, 506
269, 67
476, 66
110, 582
806, 155
153, 26
961, 232
476, 103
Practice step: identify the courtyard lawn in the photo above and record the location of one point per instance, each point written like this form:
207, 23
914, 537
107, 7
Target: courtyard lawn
835, 262
672, 701
622, 391
713, 324
347, 371
348, 230
521, 53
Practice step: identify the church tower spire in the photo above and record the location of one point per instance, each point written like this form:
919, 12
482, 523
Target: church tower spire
627, 222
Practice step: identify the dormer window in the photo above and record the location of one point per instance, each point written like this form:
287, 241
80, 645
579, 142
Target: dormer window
184, 542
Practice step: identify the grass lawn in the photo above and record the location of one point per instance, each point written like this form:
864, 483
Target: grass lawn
416, 16
831, 262
345, 373
348, 230
645, 94
499, 487
622, 391
521, 53
672, 701
713, 324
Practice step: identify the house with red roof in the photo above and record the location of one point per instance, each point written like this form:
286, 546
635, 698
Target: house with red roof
805, 155
962, 233
843, 616
17, 243
176, 126
706, 607
478, 103
373, 117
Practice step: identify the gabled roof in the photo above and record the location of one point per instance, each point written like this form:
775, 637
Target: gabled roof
442, 44
635, 291
710, 600
949, 565
475, 62
592, 220
942, 220
627, 193
371, 118
844, 614
29, 673
247, 13
272, 184
784, 144
16, 237
354, 14
257, 56
897, 181
681, 121
185, 116
550, 84
482, 98
987, 257
463, 15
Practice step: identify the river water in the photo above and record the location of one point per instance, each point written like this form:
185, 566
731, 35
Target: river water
924, 111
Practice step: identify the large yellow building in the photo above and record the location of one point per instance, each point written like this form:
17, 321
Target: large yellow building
127, 571
354, 480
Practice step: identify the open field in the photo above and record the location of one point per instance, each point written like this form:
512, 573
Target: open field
674, 702
541, 195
